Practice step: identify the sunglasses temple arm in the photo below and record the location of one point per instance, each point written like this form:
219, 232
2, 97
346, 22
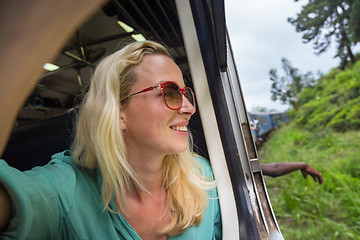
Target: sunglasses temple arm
142, 91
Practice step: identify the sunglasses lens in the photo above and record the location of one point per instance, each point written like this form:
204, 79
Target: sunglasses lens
190, 96
172, 95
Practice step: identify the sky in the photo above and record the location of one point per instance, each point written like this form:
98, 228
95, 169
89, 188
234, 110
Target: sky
260, 36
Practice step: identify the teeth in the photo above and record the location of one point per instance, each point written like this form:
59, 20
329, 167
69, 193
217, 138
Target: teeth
180, 128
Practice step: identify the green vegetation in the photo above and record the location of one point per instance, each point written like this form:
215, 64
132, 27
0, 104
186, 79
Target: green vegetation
305, 209
333, 103
325, 132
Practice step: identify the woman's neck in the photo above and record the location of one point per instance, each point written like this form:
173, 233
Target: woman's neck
149, 171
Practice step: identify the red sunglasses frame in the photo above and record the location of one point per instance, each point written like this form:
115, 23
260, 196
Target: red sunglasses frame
161, 85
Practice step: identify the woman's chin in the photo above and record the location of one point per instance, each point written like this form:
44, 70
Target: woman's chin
179, 149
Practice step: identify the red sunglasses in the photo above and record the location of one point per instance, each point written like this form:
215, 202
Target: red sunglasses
172, 93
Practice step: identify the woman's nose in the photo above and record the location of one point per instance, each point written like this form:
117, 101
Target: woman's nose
187, 107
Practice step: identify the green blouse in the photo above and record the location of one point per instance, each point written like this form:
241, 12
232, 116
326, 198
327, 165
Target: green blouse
63, 201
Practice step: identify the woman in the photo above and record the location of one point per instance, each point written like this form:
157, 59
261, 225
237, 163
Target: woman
131, 172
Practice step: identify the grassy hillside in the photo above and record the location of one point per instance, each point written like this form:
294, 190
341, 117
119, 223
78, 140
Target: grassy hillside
333, 103
305, 209
326, 134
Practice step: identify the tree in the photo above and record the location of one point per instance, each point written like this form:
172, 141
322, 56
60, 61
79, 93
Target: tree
323, 20
287, 88
354, 21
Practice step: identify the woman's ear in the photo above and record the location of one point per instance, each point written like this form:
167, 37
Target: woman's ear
122, 120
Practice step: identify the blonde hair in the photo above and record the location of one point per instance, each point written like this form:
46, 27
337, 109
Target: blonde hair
99, 143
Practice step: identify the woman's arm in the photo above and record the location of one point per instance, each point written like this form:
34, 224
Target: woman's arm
32, 33
279, 169
5, 206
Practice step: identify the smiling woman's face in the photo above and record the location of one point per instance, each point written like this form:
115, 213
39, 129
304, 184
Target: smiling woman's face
149, 126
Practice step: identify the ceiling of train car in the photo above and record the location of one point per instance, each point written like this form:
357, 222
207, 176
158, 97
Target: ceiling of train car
100, 36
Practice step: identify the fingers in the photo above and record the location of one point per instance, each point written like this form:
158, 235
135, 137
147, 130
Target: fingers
314, 174
320, 178
304, 173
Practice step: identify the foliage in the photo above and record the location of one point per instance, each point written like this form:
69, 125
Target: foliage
354, 21
287, 88
333, 103
322, 21
303, 208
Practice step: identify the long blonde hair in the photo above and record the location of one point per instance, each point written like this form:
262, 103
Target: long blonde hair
99, 142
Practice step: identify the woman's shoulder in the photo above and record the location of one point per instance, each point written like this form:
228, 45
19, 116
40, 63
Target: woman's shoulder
60, 167
62, 173
65, 162
63, 157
